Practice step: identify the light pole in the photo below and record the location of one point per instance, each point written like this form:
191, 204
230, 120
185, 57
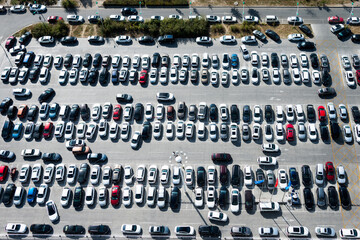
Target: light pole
140, 7
352, 11
243, 14
190, 8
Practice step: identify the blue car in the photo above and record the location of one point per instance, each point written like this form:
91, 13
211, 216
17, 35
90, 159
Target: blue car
54, 109
294, 177
31, 196
234, 60
115, 76
17, 130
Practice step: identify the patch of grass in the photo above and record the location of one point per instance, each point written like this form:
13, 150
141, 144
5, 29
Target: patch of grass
45, 2
69, 4
313, 3
89, 30
77, 30
166, 3
217, 30
58, 30
111, 3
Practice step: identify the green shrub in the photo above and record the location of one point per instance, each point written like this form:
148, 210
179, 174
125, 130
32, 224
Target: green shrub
218, 29
111, 3
235, 29
69, 4
45, 2
167, 3
58, 30
247, 27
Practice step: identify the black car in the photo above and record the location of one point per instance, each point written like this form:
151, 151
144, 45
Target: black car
93, 75
246, 113
166, 39
314, 60
25, 37
83, 173
8, 193
305, 45
324, 132
305, 29
355, 38
306, 175
46, 95
146, 130
223, 196
356, 113
41, 228
74, 112
346, 32
294, 177
274, 60
33, 111
74, 229
128, 11
38, 130
96, 158
124, 98
146, 39
260, 176
344, 197
213, 112
84, 112
155, 61
249, 200
272, 35
12, 112
201, 176
175, 198
99, 229
335, 130
223, 174
28, 59
181, 110
333, 197
68, 60
7, 129
97, 60
138, 112
87, 60
325, 78
6, 155
5, 104
51, 157
326, 92
104, 76
234, 113
34, 74
268, 113
311, 115
209, 231
68, 40
308, 198
78, 197
235, 175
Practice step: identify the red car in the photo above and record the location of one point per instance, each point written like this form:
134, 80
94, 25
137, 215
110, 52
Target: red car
54, 19
321, 113
117, 112
335, 19
22, 111
48, 129
143, 76
330, 171
115, 195
290, 132
10, 42
3, 172
358, 76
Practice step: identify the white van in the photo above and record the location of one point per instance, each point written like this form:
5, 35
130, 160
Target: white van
271, 19
279, 114
269, 206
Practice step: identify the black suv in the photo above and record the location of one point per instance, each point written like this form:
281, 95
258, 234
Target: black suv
209, 231
175, 198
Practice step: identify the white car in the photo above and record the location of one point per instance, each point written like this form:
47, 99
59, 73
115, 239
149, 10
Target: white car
229, 19
213, 131
71, 174
296, 37
251, 19
90, 195
357, 133
163, 78
52, 211
16, 228
276, 76
217, 216
203, 40
283, 179
103, 197
235, 201
60, 172
295, 20
345, 62
75, 19
235, 77
95, 174
199, 197
135, 18
63, 76
268, 132
267, 161
257, 131
248, 176
268, 231
211, 197
296, 75
96, 112
341, 175
65, 197
152, 174
130, 229
213, 19
254, 58
325, 231
140, 173
351, 233
107, 174
160, 18
36, 172
249, 40
18, 196
127, 196
214, 78
175, 16
29, 130
139, 193
90, 133
42, 194
343, 112
49, 173
24, 173
269, 206
153, 75
173, 75
149, 111
44, 75
255, 79
135, 140
183, 74
301, 131
114, 131
103, 128
161, 197
170, 130
69, 130
290, 113
158, 129
297, 231
234, 132
347, 134
189, 175
164, 176
316, 77
125, 131
305, 76
184, 230
189, 131
224, 77
332, 111
257, 113
123, 39
115, 62
227, 39
21, 92
294, 61
128, 174
312, 132
350, 80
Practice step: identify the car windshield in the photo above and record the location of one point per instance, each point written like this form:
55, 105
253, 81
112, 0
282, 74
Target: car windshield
50, 208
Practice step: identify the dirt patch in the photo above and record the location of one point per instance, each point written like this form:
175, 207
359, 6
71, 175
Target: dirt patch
248, 3
89, 30
355, 29
76, 31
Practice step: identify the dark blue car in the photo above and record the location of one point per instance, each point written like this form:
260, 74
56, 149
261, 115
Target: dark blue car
294, 177
115, 76
234, 60
31, 196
